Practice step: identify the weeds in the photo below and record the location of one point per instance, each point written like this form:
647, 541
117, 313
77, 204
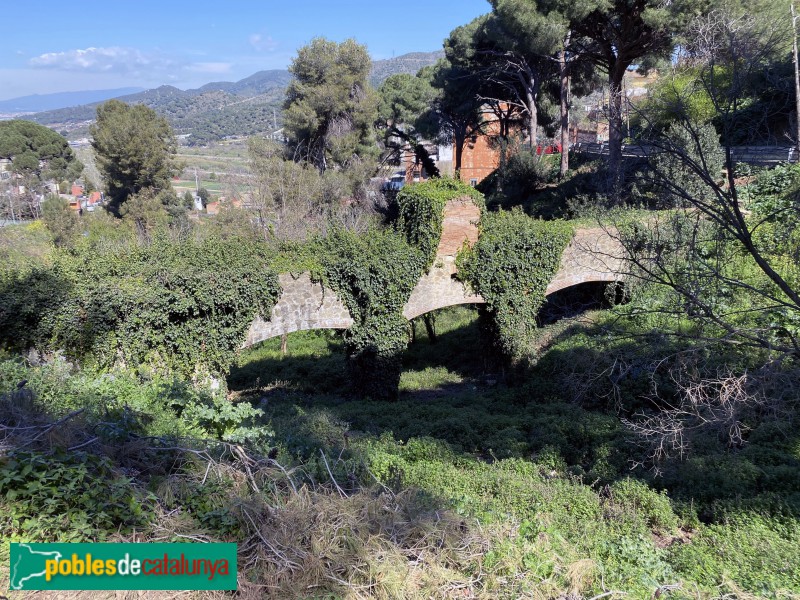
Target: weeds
469, 487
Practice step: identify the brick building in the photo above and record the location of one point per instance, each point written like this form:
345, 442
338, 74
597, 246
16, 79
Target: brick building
479, 158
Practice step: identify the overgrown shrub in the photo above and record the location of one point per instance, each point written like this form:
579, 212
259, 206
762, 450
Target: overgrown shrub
373, 274
68, 496
654, 508
692, 154
773, 197
421, 211
511, 266
180, 306
28, 302
520, 175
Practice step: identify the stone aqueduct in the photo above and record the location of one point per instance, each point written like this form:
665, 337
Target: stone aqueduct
593, 255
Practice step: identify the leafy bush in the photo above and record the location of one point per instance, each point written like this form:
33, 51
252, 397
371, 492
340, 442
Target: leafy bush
24, 247
773, 197
169, 306
521, 173
373, 274
654, 507
511, 266
119, 405
755, 552
421, 211
28, 302
677, 184
68, 496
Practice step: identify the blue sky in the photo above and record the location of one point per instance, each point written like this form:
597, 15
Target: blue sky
54, 45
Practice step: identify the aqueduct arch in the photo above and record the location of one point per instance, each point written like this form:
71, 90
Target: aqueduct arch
593, 255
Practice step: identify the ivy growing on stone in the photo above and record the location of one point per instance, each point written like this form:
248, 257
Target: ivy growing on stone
169, 306
373, 274
511, 265
421, 211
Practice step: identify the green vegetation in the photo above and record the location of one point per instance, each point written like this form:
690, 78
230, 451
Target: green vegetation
511, 266
37, 156
533, 447
167, 306
562, 476
60, 219
330, 107
403, 100
37, 150
509, 491
23, 247
373, 275
421, 211
135, 150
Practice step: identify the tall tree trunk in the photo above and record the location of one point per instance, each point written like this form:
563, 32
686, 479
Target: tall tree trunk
564, 98
615, 93
460, 140
531, 91
796, 76
533, 120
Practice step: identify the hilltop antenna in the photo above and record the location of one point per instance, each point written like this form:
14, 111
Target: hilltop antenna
196, 183
274, 120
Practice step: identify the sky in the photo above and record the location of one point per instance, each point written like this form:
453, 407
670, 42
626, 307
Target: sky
51, 46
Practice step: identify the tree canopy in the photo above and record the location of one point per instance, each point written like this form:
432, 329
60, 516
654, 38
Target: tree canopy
37, 150
330, 108
404, 99
135, 150
456, 112
618, 34
512, 59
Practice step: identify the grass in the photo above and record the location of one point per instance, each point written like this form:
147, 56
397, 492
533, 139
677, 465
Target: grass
478, 482
189, 184
550, 479
215, 158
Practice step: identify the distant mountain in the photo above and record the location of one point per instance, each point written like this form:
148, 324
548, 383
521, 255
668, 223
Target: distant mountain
40, 102
407, 63
251, 86
223, 108
209, 113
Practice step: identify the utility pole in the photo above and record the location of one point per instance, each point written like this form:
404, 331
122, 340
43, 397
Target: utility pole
796, 76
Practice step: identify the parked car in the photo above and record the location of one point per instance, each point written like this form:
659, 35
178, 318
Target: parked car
395, 184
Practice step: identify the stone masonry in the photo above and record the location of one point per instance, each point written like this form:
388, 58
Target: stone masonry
303, 305
439, 287
594, 254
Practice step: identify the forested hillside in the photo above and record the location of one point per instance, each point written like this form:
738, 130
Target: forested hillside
220, 109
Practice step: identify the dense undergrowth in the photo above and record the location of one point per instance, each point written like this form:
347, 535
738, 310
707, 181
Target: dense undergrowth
609, 458
468, 483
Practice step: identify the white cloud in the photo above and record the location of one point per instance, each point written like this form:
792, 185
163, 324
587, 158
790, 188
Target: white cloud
114, 59
261, 43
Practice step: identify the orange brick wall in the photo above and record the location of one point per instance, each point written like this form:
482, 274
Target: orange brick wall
479, 158
459, 225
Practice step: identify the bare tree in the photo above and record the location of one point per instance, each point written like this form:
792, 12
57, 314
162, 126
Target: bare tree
710, 252
717, 405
